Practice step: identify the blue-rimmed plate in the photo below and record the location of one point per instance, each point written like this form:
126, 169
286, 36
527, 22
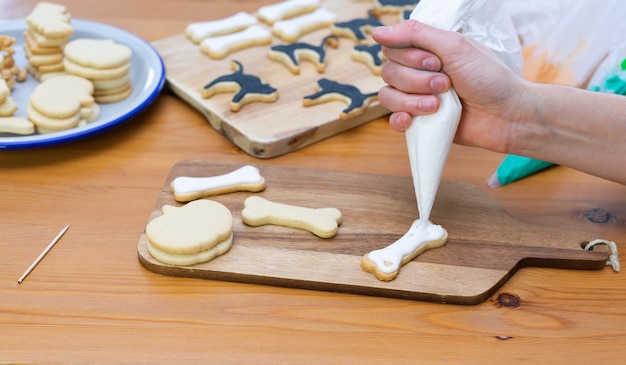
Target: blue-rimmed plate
147, 75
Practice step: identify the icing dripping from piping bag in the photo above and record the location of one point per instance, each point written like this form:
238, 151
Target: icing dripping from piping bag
429, 138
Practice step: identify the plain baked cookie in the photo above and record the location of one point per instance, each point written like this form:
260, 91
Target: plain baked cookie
104, 62
196, 232
62, 102
322, 222
48, 30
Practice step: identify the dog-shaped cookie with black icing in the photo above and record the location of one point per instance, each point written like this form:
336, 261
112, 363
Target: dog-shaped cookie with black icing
247, 88
292, 54
329, 90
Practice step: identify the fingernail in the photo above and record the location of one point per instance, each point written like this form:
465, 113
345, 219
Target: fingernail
426, 104
381, 30
439, 84
431, 64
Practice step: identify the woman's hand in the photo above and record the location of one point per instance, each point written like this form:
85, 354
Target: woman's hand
424, 61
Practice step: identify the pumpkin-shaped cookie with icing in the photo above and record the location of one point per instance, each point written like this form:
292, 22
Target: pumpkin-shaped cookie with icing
193, 233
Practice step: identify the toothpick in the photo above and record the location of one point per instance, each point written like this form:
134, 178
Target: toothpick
32, 266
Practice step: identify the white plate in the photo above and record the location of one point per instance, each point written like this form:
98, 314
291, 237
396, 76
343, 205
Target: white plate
147, 75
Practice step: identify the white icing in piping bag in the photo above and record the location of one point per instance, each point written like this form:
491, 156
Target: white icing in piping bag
430, 137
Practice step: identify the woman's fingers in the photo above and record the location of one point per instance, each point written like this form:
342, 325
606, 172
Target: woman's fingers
414, 104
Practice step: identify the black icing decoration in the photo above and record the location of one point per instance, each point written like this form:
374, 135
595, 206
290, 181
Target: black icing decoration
358, 101
292, 50
398, 3
247, 85
373, 51
357, 26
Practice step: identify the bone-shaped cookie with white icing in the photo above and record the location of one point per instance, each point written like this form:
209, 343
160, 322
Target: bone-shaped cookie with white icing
290, 30
322, 222
246, 178
270, 14
385, 263
429, 139
200, 30
221, 46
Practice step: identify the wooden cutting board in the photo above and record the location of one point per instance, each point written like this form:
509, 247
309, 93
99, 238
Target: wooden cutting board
485, 247
266, 130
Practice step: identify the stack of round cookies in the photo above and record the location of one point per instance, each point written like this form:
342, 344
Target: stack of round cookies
190, 234
62, 102
48, 30
105, 63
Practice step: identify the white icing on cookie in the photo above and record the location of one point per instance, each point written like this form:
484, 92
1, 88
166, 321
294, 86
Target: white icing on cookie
234, 23
389, 259
275, 12
242, 176
221, 46
291, 29
429, 139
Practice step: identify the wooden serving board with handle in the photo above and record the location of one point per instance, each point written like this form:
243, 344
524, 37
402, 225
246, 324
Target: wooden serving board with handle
485, 247
266, 130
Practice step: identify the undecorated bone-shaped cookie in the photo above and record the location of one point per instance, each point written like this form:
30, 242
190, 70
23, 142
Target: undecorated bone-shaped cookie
323, 222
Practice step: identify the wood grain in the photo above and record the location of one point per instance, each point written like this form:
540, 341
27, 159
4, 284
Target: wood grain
90, 301
267, 130
485, 247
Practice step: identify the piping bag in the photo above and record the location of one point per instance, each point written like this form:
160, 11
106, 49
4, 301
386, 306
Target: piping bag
429, 138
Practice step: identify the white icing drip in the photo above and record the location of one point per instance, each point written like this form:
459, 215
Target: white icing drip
222, 44
201, 30
389, 259
244, 175
292, 28
275, 12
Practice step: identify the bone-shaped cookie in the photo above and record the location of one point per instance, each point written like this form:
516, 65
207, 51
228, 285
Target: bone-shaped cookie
290, 30
270, 14
385, 263
220, 46
246, 178
322, 222
200, 30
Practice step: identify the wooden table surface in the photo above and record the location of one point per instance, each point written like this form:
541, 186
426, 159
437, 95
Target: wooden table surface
91, 301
